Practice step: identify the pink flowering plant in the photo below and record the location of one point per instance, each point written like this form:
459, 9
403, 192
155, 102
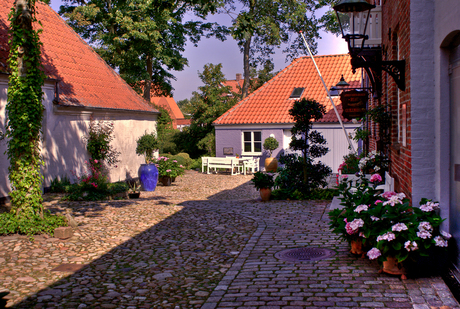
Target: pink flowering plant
168, 167
353, 222
405, 232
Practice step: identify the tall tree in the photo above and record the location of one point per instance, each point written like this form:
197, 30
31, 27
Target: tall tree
260, 26
143, 39
206, 105
25, 112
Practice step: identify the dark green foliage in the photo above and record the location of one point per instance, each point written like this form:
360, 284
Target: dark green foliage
311, 144
184, 159
24, 112
165, 132
270, 144
98, 141
205, 106
263, 180
145, 40
196, 164
261, 26
12, 224
62, 185
146, 145
82, 192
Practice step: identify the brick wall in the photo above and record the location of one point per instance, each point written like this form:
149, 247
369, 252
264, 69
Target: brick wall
396, 35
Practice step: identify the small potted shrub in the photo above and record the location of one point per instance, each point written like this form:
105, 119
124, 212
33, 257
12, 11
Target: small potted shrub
148, 172
270, 144
134, 190
168, 169
264, 183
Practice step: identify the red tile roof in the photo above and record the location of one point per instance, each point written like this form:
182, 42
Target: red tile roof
235, 85
270, 103
170, 105
85, 79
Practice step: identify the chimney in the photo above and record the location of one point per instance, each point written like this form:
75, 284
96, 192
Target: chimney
238, 77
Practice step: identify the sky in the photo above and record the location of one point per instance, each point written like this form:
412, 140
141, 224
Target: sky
227, 52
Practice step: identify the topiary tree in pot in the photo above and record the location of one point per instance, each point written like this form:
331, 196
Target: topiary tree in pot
148, 172
270, 144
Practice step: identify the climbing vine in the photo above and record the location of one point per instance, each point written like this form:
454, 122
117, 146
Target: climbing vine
25, 112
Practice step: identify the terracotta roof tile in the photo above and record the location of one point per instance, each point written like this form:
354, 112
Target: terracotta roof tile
84, 78
271, 103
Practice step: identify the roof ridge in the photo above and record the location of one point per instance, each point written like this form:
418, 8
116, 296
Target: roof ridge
224, 115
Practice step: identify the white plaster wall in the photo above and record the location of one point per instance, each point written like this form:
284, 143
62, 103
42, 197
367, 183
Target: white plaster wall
337, 144
423, 117
63, 147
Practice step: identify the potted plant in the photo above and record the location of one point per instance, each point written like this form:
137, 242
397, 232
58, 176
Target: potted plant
168, 169
264, 183
134, 190
352, 222
270, 144
404, 234
148, 172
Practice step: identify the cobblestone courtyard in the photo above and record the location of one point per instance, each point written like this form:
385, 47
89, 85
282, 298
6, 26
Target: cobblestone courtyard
205, 242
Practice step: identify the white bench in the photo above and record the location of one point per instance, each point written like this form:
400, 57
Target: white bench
212, 162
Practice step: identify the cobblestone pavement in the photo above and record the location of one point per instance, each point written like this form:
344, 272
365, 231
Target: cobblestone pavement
205, 242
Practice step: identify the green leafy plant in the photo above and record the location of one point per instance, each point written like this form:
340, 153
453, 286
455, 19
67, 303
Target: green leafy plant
169, 167
311, 144
263, 180
349, 164
12, 224
25, 113
270, 144
146, 145
98, 142
60, 185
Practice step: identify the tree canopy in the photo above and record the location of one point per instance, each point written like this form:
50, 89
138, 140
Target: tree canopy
143, 39
206, 105
260, 26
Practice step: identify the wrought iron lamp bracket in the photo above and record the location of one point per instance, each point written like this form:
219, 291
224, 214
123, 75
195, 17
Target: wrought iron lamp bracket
370, 60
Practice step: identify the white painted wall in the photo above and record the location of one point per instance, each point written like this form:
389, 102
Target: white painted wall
63, 147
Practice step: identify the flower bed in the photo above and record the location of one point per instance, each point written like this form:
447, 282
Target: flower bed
386, 224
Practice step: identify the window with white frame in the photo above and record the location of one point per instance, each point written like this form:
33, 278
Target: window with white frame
252, 142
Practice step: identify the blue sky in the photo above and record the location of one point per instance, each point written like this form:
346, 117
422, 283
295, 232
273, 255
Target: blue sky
227, 53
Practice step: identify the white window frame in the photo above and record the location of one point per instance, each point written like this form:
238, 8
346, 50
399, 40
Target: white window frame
252, 152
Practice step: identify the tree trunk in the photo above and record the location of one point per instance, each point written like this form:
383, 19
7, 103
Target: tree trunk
148, 82
247, 48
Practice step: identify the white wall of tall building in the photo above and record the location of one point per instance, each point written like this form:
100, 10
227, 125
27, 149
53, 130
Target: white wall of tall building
63, 145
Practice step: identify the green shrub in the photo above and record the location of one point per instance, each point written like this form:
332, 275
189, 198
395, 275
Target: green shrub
196, 164
82, 192
60, 185
146, 145
188, 161
11, 224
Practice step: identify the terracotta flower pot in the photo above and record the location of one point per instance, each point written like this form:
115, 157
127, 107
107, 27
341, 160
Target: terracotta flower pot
271, 164
265, 194
393, 267
356, 247
166, 180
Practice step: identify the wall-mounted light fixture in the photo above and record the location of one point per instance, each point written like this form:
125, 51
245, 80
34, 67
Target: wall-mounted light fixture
353, 17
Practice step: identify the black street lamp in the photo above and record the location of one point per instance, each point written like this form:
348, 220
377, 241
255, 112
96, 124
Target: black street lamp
353, 17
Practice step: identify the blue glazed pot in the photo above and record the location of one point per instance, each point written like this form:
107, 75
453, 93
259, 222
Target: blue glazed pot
148, 174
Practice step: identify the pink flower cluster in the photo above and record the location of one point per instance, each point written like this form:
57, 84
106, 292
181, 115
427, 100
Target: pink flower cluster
389, 236
398, 227
361, 208
376, 178
374, 253
410, 246
429, 206
353, 226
